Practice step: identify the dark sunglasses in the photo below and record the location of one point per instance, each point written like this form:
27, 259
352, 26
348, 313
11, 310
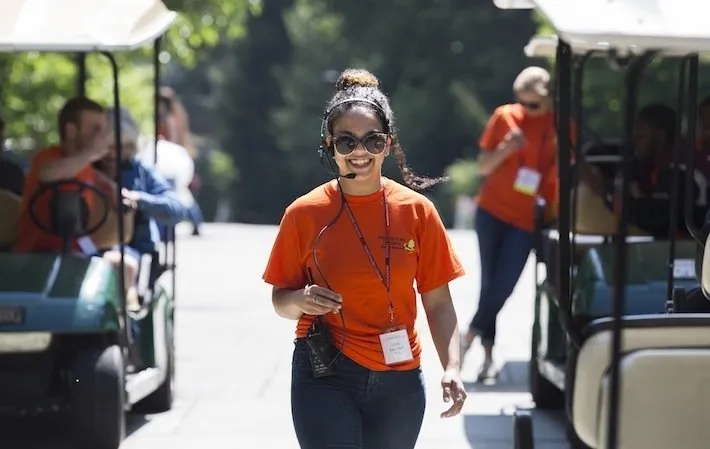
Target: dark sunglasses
374, 143
532, 105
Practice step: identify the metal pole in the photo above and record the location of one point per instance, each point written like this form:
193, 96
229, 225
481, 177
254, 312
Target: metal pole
119, 196
622, 190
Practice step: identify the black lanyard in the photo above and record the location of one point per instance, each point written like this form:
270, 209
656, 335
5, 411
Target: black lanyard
386, 278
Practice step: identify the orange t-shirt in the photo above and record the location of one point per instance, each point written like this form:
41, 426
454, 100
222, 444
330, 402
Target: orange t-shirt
420, 251
30, 238
498, 195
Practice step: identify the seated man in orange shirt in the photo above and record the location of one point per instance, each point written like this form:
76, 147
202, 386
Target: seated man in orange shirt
84, 139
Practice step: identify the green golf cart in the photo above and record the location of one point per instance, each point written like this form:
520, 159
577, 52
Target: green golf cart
64, 325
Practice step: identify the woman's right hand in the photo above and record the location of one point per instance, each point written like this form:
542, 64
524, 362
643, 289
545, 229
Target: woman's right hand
318, 300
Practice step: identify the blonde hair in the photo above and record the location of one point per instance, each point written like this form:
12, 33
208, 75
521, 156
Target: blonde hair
533, 79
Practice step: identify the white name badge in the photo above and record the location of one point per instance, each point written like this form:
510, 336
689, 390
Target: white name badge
395, 347
527, 181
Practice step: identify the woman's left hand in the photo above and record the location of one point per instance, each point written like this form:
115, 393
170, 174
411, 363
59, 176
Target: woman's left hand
453, 389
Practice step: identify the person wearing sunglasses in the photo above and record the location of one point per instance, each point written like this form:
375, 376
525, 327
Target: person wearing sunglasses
344, 265
518, 159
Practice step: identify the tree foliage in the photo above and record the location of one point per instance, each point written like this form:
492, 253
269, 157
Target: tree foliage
35, 85
434, 59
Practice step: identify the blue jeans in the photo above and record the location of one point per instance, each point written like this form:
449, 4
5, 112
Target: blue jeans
504, 251
355, 408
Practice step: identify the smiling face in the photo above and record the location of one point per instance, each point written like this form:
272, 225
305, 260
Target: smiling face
360, 145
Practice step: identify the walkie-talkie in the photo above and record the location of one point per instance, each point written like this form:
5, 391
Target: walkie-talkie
322, 350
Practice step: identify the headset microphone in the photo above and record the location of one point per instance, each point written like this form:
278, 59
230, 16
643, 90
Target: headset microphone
322, 153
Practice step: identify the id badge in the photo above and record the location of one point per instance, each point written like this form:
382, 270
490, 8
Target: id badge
527, 181
395, 347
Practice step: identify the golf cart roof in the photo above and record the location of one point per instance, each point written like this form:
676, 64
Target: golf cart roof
667, 25
81, 25
546, 47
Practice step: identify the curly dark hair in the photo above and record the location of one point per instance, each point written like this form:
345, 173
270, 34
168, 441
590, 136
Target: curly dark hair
355, 84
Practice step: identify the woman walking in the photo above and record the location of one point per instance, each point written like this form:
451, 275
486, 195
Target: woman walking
343, 265
518, 154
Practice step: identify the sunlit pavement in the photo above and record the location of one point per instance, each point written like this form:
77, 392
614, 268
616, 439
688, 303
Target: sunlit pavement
234, 357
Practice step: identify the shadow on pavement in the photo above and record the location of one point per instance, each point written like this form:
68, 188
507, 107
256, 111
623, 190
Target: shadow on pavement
512, 378
492, 428
48, 432
496, 431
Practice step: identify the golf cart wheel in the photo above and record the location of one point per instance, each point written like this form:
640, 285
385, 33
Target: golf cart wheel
98, 397
161, 400
544, 393
523, 430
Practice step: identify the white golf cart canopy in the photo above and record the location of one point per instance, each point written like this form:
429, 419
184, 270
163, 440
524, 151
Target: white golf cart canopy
546, 47
635, 25
81, 25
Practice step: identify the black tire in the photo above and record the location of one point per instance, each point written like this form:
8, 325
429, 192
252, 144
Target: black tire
523, 436
98, 398
161, 400
545, 394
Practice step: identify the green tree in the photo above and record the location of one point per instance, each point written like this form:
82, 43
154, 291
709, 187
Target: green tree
433, 59
254, 93
35, 85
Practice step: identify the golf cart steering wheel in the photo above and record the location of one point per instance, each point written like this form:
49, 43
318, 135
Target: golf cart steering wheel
73, 225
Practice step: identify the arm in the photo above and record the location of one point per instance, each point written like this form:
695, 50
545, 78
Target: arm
65, 167
497, 142
489, 160
292, 296
159, 200
284, 301
311, 300
443, 324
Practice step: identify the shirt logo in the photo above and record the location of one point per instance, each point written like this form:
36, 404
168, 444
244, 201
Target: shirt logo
409, 246
398, 244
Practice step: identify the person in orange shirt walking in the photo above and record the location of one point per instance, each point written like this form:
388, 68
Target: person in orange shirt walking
518, 158
344, 265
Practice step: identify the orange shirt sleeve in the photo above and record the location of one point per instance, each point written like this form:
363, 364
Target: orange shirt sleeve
285, 267
495, 130
38, 161
438, 264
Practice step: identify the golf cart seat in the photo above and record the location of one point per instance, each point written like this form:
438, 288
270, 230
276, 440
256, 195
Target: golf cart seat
9, 214
664, 372
660, 351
